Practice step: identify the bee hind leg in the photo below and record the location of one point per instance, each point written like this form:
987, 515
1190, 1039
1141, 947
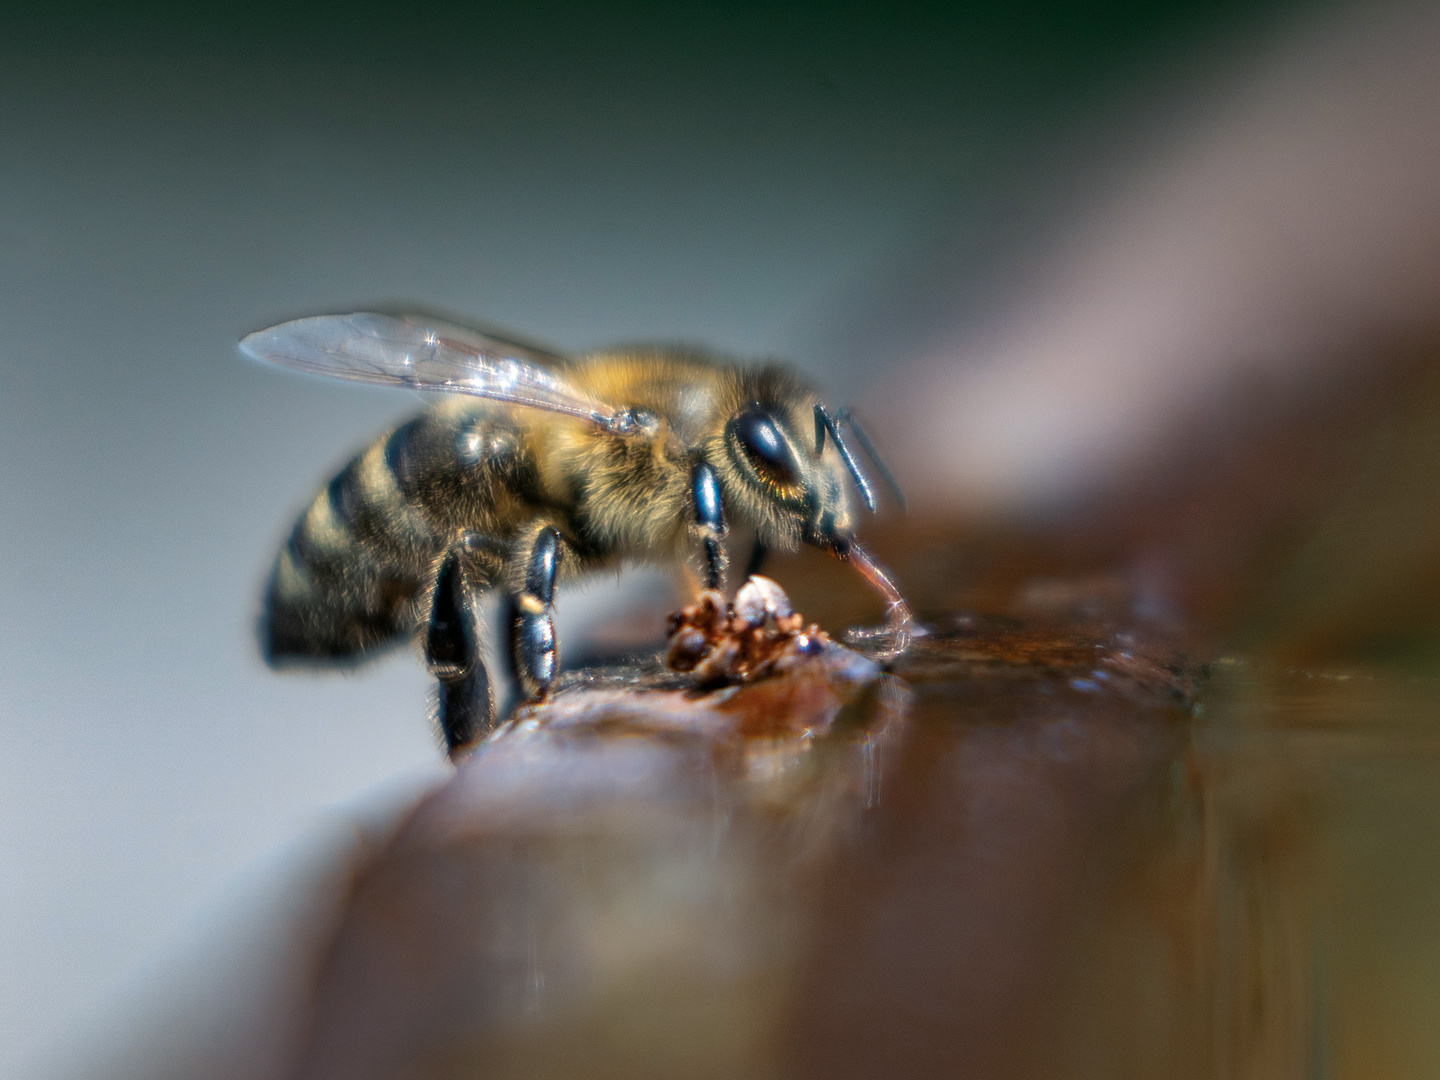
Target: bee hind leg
452, 652
532, 626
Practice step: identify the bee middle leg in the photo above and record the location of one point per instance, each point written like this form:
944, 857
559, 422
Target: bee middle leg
532, 626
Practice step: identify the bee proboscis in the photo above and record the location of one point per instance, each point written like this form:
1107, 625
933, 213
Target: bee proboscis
534, 469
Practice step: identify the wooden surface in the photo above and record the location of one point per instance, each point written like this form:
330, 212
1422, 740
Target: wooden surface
839, 872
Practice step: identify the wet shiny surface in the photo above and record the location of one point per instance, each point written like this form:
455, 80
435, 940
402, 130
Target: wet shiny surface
1045, 840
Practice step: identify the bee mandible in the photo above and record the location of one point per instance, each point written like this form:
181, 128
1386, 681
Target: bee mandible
534, 469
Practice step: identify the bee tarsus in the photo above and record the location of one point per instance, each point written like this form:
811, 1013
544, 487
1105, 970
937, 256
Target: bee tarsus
532, 632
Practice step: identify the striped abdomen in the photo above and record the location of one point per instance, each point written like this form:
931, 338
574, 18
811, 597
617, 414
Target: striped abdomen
352, 575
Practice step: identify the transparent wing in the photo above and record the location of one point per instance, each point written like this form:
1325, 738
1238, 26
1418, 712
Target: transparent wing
425, 355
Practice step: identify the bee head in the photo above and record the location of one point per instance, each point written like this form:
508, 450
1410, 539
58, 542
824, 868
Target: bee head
789, 488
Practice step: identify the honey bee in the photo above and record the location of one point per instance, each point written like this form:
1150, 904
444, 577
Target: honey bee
533, 470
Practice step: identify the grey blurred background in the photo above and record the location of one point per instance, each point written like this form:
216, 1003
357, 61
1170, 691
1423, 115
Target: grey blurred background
852, 189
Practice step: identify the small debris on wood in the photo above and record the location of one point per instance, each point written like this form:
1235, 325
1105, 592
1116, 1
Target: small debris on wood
759, 634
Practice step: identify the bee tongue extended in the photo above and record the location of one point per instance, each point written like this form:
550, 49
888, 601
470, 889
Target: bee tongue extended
897, 612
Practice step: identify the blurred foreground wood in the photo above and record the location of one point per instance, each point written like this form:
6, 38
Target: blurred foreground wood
841, 872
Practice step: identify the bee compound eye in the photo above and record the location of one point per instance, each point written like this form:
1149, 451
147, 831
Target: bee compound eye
759, 436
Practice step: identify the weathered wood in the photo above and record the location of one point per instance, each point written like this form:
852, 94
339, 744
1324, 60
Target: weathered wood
840, 871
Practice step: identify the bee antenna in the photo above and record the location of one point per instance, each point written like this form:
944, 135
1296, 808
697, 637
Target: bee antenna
825, 422
846, 417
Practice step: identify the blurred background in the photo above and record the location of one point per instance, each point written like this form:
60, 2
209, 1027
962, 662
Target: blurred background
1157, 276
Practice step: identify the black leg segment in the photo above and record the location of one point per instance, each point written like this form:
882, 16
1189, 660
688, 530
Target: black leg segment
532, 628
710, 520
758, 553
452, 651
540, 573
536, 658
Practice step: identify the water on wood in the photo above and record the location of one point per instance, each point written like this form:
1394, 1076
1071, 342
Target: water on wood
1052, 839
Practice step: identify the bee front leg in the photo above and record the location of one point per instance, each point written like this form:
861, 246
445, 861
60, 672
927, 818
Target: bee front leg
532, 628
452, 652
709, 522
